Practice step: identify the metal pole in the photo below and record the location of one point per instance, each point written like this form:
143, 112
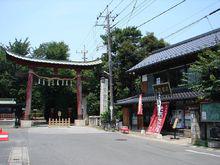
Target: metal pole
110, 65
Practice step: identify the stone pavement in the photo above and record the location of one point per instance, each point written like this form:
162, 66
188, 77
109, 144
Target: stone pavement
15, 151
19, 156
65, 130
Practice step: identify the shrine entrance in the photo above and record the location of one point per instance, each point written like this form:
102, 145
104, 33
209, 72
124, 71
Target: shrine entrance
33, 63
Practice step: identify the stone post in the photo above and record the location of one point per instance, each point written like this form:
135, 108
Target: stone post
195, 129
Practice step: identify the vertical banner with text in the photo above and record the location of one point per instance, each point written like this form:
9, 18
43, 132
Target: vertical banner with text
103, 95
157, 120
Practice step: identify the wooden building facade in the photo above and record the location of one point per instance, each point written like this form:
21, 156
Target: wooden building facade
167, 65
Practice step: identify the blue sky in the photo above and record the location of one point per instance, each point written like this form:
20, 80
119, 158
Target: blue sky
72, 21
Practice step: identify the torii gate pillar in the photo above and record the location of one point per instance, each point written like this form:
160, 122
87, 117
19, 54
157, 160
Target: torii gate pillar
79, 94
28, 94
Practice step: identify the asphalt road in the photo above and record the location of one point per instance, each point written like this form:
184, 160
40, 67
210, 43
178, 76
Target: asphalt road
89, 146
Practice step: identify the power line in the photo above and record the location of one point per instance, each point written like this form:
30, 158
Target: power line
87, 35
139, 7
209, 22
181, 29
106, 8
126, 7
117, 5
132, 11
92, 29
142, 9
161, 14
188, 17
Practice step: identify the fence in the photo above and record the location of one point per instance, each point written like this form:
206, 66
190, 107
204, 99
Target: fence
7, 116
94, 121
59, 122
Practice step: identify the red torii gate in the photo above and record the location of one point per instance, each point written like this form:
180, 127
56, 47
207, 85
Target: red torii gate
32, 63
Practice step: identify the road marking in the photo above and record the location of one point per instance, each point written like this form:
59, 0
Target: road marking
203, 153
19, 156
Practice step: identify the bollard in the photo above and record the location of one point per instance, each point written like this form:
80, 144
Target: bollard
3, 135
49, 122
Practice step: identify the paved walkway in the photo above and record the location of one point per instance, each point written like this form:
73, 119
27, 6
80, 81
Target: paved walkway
166, 138
63, 130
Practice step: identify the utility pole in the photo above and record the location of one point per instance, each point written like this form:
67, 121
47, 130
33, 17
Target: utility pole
108, 31
83, 52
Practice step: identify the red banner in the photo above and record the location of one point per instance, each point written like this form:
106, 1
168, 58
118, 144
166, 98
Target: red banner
156, 122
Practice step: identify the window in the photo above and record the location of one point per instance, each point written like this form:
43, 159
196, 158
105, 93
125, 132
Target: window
160, 77
150, 82
175, 76
192, 76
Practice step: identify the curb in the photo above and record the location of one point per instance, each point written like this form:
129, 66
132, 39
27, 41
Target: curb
176, 142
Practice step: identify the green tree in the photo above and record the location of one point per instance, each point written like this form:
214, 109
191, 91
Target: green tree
129, 47
19, 46
204, 75
12, 84
58, 97
150, 43
53, 50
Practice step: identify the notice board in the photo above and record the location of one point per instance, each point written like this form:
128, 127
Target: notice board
210, 112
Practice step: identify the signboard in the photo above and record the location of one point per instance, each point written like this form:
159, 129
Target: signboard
162, 88
157, 121
144, 78
175, 123
210, 112
158, 80
180, 115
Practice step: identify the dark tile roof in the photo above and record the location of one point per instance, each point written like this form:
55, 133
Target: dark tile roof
183, 48
175, 96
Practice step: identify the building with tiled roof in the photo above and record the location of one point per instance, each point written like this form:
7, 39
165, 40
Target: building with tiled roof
167, 65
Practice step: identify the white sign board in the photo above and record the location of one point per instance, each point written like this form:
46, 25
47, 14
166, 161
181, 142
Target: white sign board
204, 115
144, 78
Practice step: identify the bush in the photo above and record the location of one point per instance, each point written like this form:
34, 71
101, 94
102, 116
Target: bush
105, 117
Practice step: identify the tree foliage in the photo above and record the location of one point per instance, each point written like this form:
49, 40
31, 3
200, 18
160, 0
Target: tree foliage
204, 75
129, 47
11, 84
19, 46
53, 50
